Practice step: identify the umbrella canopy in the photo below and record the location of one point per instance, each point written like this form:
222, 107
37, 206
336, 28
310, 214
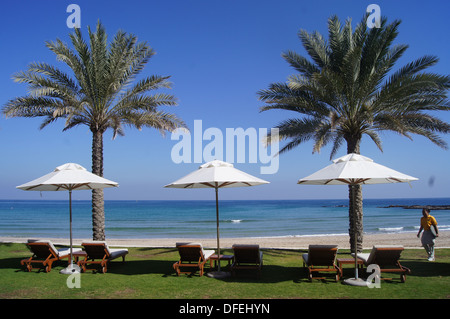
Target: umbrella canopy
217, 174
354, 169
68, 177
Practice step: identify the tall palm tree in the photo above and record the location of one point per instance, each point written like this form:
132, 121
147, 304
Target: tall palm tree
347, 89
103, 93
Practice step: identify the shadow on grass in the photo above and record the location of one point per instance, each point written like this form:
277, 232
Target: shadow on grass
278, 274
134, 267
142, 267
14, 264
270, 273
427, 268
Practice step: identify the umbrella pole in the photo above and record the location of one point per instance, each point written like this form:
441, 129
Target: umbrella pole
217, 221
355, 281
70, 268
356, 233
218, 273
70, 210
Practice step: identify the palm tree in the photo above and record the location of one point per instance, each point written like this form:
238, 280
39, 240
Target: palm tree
103, 93
348, 90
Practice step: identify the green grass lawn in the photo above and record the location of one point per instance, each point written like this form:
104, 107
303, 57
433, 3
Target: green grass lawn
148, 274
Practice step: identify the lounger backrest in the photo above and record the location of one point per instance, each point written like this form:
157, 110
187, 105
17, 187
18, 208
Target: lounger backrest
322, 255
42, 248
190, 252
96, 250
246, 253
385, 255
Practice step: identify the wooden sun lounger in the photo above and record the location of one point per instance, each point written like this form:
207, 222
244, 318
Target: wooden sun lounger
319, 257
98, 253
387, 258
247, 257
45, 254
192, 255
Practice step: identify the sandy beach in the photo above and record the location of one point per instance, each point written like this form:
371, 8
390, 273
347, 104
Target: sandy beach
408, 240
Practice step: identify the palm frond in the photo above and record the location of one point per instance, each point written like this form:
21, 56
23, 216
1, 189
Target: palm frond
316, 47
300, 63
161, 121
102, 92
348, 86
337, 143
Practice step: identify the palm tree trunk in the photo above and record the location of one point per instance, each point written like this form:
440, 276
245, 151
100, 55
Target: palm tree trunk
98, 209
355, 213
355, 208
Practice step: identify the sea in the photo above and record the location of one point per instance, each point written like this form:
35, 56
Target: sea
133, 219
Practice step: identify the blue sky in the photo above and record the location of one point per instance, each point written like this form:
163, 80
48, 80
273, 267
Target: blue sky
219, 55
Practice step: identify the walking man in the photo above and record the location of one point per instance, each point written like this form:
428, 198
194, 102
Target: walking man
430, 231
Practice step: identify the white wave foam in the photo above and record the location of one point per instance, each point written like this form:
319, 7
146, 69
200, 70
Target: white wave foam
390, 229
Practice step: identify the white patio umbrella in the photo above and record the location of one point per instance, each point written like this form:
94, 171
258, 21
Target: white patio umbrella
68, 177
217, 174
354, 169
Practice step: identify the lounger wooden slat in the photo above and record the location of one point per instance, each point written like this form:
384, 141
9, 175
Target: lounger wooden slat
321, 258
192, 256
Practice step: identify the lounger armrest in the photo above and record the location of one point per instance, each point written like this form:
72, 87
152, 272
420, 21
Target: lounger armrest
66, 251
117, 252
305, 257
208, 253
363, 256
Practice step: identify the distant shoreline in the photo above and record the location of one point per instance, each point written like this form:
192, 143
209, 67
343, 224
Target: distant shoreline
430, 207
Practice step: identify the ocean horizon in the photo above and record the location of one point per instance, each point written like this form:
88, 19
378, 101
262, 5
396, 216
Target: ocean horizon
133, 219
